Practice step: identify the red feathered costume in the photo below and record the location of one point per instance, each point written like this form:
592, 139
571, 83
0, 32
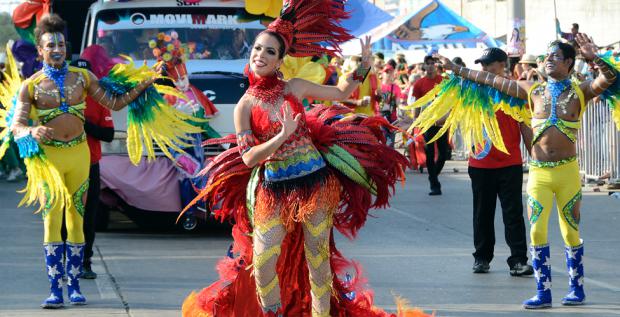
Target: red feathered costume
328, 174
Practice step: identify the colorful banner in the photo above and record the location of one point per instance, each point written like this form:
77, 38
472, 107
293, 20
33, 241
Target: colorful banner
435, 25
515, 46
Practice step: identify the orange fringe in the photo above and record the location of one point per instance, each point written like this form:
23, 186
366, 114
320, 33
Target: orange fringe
296, 205
191, 308
403, 309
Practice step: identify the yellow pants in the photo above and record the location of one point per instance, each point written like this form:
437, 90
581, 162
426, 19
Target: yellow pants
564, 182
73, 163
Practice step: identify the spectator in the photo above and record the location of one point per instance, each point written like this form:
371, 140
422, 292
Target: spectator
363, 100
401, 69
459, 61
582, 69
240, 47
420, 88
528, 64
542, 73
392, 63
390, 99
493, 175
98, 127
568, 37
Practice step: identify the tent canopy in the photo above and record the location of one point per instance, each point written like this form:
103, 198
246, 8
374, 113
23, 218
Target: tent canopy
434, 26
364, 17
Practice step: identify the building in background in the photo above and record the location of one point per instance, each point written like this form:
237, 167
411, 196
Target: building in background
397, 7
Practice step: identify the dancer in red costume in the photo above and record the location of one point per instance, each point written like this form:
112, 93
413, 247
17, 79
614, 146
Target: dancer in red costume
292, 178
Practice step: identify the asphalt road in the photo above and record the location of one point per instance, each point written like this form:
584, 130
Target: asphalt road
420, 249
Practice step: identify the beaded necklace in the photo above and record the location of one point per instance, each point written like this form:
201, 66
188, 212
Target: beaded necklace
57, 75
556, 88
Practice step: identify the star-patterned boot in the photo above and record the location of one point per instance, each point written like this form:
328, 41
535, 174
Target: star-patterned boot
574, 264
542, 272
75, 258
55, 271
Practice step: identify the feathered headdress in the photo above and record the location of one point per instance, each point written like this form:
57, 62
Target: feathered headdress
168, 48
311, 27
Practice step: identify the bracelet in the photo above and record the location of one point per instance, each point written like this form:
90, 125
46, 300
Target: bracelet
597, 60
486, 78
96, 91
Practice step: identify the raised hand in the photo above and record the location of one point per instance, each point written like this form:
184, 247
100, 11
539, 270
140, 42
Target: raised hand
289, 124
366, 52
446, 62
587, 48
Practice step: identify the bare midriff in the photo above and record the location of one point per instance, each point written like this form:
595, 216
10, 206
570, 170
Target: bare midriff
553, 145
66, 126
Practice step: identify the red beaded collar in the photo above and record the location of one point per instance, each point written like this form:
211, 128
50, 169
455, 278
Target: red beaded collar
268, 89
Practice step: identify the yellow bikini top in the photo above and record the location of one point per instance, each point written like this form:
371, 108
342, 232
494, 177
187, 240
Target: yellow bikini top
567, 127
47, 115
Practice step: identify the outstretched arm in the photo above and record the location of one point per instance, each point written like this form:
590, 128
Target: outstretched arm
305, 89
115, 102
517, 89
607, 75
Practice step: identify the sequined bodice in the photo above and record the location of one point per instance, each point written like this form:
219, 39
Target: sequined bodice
60, 95
298, 156
556, 103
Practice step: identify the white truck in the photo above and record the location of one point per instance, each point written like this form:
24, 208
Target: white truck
221, 42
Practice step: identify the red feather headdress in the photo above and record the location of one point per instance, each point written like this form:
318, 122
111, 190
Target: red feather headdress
306, 24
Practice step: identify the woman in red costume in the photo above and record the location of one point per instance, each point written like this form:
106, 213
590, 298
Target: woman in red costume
292, 178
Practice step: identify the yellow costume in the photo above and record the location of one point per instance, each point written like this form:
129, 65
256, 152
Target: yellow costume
72, 160
561, 178
470, 104
367, 88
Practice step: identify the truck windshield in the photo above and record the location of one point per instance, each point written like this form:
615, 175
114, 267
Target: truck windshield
209, 33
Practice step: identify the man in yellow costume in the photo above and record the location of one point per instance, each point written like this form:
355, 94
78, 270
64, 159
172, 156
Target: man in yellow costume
55, 150
471, 97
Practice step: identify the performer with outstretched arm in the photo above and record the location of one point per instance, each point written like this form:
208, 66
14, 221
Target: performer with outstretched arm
293, 178
54, 148
555, 108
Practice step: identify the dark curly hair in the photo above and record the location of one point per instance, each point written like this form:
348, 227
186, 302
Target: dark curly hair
567, 50
51, 23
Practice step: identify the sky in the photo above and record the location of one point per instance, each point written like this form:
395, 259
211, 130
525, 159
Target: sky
8, 5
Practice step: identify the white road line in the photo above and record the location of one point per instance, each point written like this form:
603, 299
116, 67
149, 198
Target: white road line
105, 287
500, 309
603, 285
408, 215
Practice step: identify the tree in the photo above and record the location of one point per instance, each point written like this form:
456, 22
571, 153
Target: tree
7, 30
